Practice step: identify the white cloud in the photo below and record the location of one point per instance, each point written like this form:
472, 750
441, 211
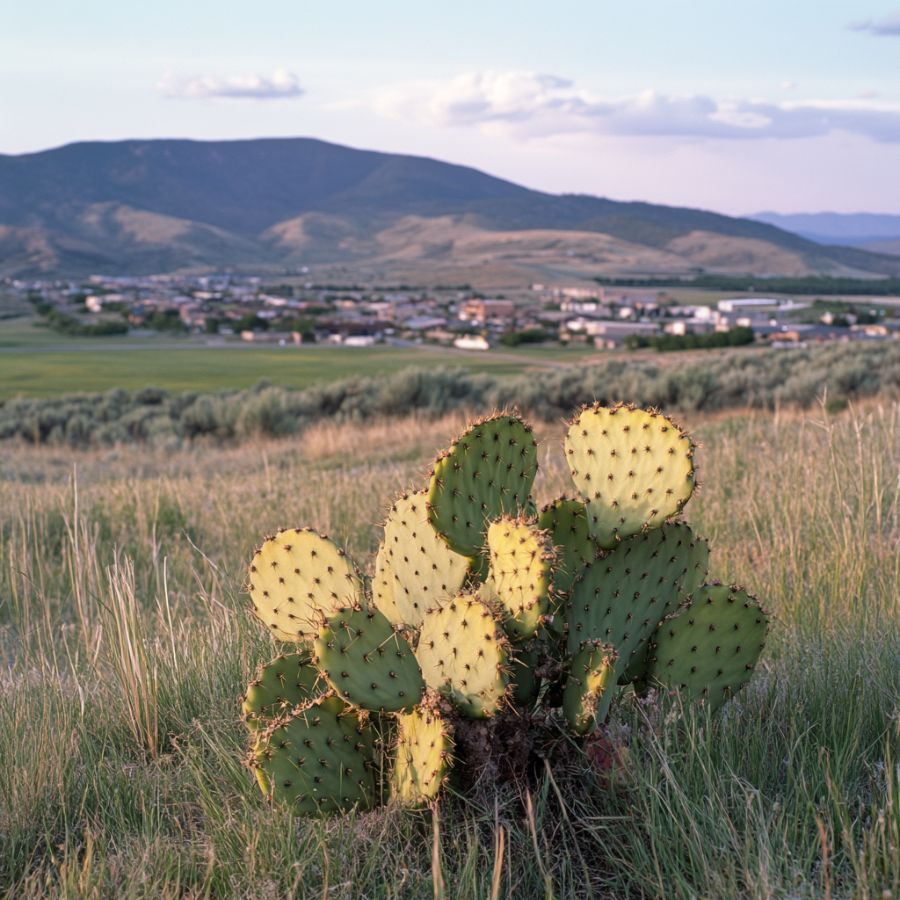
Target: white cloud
279, 85
529, 104
886, 26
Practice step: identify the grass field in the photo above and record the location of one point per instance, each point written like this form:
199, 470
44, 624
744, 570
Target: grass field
126, 642
37, 362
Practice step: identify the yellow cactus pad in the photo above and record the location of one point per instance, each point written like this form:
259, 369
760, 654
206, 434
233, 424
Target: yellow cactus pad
426, 571
521, 556
634, 468
423, 759
463, 654
297, 578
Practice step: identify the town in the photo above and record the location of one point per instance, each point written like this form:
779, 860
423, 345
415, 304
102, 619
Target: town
246, 308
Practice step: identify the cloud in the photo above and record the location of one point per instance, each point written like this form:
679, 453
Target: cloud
529, 104
279, 85
886, 26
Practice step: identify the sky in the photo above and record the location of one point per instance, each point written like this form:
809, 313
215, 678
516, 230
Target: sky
783, 105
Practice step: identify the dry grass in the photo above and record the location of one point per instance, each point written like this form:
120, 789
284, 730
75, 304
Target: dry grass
125, 643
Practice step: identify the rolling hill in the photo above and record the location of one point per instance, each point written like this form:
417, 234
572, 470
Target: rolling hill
873, 231
144, 206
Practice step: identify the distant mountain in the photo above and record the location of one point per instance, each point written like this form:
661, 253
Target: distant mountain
847, 229
271, 204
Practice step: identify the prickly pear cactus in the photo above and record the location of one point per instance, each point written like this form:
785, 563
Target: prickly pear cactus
463, 654
424, 756
383, 590
621, 597
278, 686
487, 472
320, 760
368, 663
590, 686
487, 628
521, 558
634, 468
426, 571
710, 646
523, 679
295, 578
566, 520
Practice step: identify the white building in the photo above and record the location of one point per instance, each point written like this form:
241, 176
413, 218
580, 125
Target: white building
472, 342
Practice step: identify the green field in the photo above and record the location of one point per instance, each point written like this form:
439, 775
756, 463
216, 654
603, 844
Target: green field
37, 362
126, 641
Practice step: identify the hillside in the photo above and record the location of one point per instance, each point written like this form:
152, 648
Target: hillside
872, 231
162, 205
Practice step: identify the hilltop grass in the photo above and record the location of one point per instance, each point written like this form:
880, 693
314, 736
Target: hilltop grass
126, 642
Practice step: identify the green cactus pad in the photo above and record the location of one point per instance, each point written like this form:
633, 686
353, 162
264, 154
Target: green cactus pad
621, 597
426, 571
521, 557
567, 521
693, 557
634, 468
368, 663
463, 654
278, 686
424, 756
590, 686
321, 760
710, 646
487, 472
524, 683
297, 577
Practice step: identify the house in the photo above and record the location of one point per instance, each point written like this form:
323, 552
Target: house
613, 334
688, 326
482, 310
472, 342
424, 323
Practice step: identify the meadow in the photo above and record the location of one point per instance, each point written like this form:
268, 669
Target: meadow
37, 362
126, 641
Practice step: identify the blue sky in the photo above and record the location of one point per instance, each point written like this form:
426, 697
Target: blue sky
791, 105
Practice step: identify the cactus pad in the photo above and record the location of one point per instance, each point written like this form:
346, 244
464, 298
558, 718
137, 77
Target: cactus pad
463, 654
710, 646
487, 472
634, 468
278, 686
692, 556
621, 597
383, 588
524, 682
521, 557
567, 522
320, 760
424, 748
426, 571
295, 578
367, 662
590, 686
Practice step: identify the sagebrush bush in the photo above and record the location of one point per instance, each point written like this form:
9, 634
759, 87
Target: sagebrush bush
762, 380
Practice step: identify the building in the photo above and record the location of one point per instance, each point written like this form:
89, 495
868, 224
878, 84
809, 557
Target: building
748, 305
483, 310
472, 342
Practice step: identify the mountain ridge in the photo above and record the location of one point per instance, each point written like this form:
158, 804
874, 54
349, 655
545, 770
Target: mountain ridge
861, 229
141, 206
